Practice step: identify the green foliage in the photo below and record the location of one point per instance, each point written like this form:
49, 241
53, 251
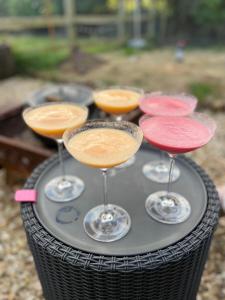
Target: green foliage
96, 46
210, 12
130, 51
41, 53
159, 5
24, 7
29, 7
38, 60
90, 6
20, 8
33, 54
4, 9
204, 90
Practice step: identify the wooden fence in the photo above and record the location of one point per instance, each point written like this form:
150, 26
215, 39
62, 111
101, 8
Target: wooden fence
23, 23
71, 19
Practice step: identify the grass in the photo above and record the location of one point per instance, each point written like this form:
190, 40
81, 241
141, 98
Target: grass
32, 53
153, 69
36, 53
204, 90
98, 46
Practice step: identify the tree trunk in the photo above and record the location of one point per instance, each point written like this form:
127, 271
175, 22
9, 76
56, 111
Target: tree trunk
6, 62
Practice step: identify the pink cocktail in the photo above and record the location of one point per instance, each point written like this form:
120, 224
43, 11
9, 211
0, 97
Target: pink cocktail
174, 135
166, 105
158, 104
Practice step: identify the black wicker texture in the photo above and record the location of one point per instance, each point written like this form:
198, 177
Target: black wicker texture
172, 273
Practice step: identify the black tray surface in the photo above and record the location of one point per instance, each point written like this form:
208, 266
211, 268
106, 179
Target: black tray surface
129, 189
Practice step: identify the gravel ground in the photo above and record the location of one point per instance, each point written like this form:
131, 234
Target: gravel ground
18, 279
16, 90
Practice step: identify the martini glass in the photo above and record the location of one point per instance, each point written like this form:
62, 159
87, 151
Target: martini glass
175, 135
160, 104
104, 144
118, 101
51, 120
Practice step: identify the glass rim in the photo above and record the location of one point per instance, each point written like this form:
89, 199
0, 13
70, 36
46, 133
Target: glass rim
30, 108
120, 87
199, 116
206, 119
70, 132
54, 87
178, 96
189, 99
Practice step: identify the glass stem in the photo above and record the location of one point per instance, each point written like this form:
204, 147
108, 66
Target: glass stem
60, 149
172, 162
105, 191
162, 156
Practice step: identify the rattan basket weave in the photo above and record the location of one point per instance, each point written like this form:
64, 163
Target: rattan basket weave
172, 273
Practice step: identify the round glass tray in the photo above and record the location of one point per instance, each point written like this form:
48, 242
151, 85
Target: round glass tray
128, 188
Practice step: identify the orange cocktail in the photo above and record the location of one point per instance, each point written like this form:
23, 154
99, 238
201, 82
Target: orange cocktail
102, 147
117, 101
103, 144
51, 120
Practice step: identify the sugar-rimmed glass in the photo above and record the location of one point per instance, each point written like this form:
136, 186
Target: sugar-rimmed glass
174, 135
52, 124
111, 104
104, 144
165, 104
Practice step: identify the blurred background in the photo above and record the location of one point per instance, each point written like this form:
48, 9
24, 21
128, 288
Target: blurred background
168, 45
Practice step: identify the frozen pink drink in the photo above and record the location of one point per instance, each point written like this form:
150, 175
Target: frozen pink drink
176, 134
165, 105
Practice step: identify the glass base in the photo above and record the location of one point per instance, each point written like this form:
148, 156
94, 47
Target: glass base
109, 225
172, 209
158, 171
127, 163
64, 189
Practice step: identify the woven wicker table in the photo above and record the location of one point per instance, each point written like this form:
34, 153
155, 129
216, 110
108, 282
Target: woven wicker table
171, 272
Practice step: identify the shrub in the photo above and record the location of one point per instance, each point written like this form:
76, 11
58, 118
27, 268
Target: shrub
204, 90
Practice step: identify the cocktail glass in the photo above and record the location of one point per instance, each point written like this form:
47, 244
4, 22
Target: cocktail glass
175, 135
51, 120
104, 144
118, 101
160, 104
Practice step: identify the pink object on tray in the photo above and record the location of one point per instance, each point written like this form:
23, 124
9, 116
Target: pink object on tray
26, 196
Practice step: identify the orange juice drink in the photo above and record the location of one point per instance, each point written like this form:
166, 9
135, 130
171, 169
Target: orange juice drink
53, 119
117, 101
102, 147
